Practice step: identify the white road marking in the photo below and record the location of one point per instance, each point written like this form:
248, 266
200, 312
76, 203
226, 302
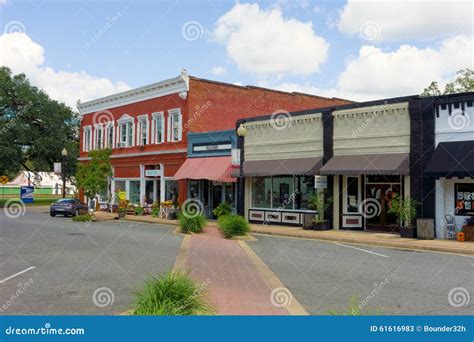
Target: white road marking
467, 256
16, 274
360, 249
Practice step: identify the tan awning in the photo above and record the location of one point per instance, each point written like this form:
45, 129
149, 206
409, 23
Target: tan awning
295, 166
368, 164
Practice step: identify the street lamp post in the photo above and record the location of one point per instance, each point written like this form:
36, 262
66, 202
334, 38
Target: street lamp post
241, 133
63, 170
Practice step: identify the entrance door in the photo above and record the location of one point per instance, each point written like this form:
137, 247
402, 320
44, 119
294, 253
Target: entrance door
216, 196
380, 196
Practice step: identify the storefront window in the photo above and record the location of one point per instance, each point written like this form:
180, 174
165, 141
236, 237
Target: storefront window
171, 193
134, 189
119, 185
304, 189
194, 189
283, 192
261, 192
352, 204
464, 197
229, 193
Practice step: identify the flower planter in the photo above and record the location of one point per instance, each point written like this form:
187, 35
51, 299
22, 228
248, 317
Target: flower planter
408, 232
121, 214
324, 225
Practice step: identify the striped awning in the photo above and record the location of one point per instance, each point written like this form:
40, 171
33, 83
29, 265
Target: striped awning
216, 169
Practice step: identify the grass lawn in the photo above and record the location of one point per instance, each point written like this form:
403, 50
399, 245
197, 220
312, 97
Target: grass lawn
36, 201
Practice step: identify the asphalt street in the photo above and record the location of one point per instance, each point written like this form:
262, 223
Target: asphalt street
329, 278
56, 266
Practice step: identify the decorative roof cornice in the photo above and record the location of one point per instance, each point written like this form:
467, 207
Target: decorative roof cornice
382, 109
174, 85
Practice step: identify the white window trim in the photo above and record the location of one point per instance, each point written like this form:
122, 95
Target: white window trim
171, 113
125, 119
142, 118
97, 128
344, 194
84, 142
109, 126
154, 138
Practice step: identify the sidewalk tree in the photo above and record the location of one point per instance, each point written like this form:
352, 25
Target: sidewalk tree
464, 82
34, 128
92, 175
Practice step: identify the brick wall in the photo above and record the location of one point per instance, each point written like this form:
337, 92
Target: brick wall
217, 106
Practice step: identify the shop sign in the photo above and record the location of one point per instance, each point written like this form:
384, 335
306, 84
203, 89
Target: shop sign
26, 194
152, 173
235, 156
122, 195
320, 182
57, 168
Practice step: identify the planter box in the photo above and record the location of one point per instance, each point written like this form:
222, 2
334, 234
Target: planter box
468, 231
408, 232
425, 229
321, 226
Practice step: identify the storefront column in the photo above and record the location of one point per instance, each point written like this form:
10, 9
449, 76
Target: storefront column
112, 190
440, 209
162, 184
142, 184
155, 190
127, 189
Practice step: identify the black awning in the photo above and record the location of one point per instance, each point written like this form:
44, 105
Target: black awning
368, 164
452, 159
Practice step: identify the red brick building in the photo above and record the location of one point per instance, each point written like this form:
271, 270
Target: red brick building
147, 127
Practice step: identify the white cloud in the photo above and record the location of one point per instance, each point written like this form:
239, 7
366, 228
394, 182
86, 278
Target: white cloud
23, 55
402, 20
219, 70
405, 71
265, 43
376, 74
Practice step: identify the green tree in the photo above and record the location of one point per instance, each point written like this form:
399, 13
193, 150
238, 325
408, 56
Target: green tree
92, 175
34, 128
464, 82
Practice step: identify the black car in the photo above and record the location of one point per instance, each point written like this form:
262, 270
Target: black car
67, 206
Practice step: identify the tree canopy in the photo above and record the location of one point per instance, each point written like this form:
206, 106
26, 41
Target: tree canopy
34, 128
92, 176
464, 82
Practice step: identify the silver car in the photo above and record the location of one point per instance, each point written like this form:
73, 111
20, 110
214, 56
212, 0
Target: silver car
67, 206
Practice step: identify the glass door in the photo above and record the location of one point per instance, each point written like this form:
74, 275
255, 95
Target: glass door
379, 197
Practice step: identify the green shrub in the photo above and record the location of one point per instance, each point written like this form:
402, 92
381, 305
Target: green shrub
172, 294
191, 222
232, 225
84, 218
138, 211
155, 212
222, 209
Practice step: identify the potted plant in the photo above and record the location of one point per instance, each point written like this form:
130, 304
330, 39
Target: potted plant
405, 210
121, 212
317, 202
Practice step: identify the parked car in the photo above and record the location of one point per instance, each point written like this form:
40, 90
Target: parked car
67, 206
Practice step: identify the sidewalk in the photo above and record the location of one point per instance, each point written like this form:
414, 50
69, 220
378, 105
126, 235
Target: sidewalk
368, 238
231, 275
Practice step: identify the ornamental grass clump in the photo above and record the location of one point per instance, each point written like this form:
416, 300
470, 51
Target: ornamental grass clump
233, 225
172, 294
191, 222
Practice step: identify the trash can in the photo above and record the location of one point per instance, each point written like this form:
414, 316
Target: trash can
425, 229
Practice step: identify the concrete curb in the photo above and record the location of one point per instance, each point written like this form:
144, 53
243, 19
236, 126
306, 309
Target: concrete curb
182, 257
294, 307
419, 245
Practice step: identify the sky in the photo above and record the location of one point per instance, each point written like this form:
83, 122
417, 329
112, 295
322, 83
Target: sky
350, 49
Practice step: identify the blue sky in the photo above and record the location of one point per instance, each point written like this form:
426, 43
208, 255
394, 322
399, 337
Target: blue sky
133, 43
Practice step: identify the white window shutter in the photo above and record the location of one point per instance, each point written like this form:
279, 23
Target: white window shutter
180, 127
169, 133
133, 133
152, 130
162, 129
83, 140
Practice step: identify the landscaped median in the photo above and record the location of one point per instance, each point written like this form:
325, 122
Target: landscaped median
368, 238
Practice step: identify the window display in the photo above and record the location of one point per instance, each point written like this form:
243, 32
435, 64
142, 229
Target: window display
464, 198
